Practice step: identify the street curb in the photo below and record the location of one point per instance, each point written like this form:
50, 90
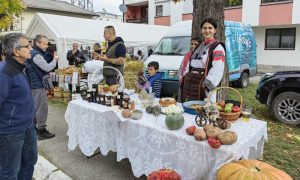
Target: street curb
45, 170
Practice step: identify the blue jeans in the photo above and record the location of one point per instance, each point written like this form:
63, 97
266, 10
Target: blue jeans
18, 155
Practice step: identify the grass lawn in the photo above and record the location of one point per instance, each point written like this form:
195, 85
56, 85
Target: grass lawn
283, 147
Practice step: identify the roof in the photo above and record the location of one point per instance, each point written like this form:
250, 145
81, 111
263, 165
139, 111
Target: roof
57, 5
88, 31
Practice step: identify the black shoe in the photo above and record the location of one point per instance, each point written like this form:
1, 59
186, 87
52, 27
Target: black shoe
44, 134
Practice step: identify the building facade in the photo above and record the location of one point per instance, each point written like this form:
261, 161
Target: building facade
276, 24
20, 24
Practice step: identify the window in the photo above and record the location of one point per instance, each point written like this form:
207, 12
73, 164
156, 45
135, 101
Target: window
173, 46
280, 38
233, 3
274, 1
159, 10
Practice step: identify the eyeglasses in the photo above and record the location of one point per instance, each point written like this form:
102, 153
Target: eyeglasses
25, 46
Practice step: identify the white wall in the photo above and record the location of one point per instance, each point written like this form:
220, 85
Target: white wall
277, 57
296, 12
251, 12
151, 11
188, 6
176, 10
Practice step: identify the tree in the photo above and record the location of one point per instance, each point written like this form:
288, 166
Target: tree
10, 9
203, 9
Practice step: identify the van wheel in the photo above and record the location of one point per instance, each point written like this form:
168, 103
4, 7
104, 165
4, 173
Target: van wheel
243, 82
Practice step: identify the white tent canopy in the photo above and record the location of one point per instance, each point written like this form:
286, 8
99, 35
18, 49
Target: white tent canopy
65, 30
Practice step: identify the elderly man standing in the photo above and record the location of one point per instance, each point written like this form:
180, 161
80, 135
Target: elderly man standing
18, 141
75, 56
115, 55
40, 65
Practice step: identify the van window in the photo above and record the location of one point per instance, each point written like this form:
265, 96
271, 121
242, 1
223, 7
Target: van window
173, 46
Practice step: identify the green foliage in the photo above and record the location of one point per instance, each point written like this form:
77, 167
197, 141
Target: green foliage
8, 10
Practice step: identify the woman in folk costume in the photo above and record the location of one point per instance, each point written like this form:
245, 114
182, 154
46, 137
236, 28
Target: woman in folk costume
205, 69
182, 70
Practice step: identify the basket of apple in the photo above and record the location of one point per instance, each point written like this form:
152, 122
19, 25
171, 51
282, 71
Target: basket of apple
227, 110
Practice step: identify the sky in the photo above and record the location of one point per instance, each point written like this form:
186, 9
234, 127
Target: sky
111, 6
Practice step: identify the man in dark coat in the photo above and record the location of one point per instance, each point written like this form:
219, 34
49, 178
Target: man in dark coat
75, 56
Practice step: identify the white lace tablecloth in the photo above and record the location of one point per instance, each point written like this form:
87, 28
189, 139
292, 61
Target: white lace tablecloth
150, 146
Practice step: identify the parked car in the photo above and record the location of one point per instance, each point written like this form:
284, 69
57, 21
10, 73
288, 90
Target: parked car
280, 91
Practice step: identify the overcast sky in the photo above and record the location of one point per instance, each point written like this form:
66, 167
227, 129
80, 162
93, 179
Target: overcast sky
111, 6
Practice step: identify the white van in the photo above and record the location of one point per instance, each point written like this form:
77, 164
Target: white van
240, 53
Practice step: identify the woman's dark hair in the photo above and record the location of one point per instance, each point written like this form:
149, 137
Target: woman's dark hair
210, 21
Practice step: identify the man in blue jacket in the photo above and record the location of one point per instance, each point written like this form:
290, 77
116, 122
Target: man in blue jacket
39, 65
18, 139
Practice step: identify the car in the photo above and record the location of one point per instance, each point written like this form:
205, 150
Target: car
280, 91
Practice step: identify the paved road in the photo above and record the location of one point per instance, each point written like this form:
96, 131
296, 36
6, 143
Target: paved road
74, 163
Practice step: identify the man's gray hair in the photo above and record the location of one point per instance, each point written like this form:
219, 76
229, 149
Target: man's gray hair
38, 38
11, 41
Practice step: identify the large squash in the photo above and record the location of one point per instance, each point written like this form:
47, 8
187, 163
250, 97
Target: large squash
250, 170
174, 121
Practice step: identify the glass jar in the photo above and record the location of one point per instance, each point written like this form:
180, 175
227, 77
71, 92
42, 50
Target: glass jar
102, 98
108, 99
113, 100
131, 105
125, 102
89, 96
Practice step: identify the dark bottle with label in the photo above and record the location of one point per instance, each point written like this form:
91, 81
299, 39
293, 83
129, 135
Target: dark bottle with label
120, 97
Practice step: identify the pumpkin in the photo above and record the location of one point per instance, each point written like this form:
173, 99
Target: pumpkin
214, 143
190, 130
227, 137
213, 132
208, 126
250, 170
126, 113
164, 174
199, 134
174, 121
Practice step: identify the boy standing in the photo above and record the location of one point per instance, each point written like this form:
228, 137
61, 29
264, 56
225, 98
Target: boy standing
154, 78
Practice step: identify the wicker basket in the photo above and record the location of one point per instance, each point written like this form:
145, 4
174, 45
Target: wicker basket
58, 92
229, 116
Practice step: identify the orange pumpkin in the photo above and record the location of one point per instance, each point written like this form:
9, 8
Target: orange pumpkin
250, 170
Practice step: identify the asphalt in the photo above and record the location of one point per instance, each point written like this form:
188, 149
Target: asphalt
74, 163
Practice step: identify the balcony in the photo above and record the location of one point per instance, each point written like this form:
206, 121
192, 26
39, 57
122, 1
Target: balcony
137, 14
138, 20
